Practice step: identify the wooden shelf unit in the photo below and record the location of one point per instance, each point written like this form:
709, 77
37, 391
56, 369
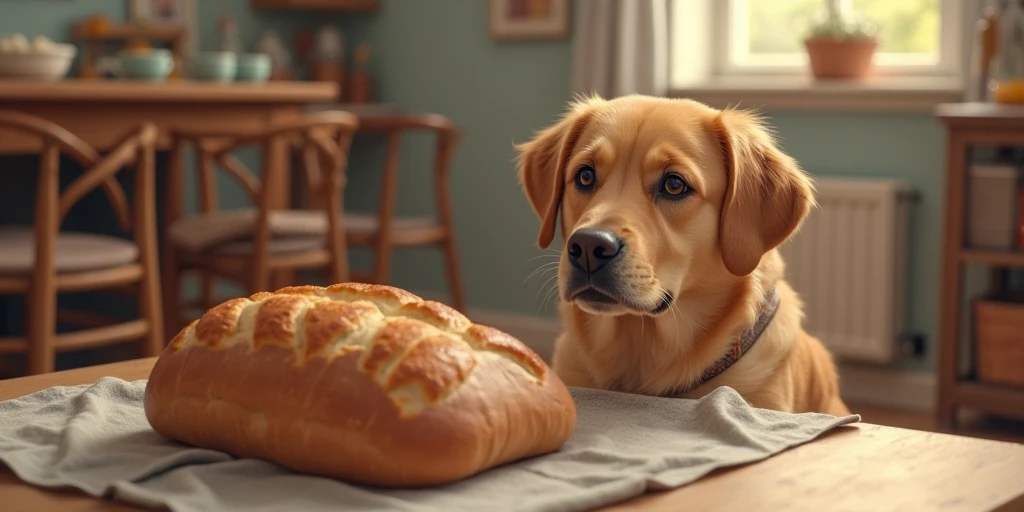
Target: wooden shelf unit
319, 5
968, 125
1001, 400
88, 39
993, 258
127, 32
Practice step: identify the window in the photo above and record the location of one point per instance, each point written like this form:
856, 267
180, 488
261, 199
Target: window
917, 37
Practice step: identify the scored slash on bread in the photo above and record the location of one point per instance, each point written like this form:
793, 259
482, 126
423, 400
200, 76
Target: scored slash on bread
368, 383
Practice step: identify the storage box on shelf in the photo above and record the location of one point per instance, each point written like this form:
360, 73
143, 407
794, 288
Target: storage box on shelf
999, 337
993, 202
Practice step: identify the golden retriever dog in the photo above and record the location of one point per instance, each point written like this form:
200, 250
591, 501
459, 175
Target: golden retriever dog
669, 281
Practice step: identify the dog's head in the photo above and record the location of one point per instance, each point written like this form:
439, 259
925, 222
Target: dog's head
658, 196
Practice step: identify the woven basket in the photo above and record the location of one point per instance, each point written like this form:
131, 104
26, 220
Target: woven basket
999, 331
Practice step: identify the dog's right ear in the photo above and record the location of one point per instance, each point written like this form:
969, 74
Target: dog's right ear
542, 163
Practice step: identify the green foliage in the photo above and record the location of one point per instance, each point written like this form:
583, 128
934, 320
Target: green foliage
842, 29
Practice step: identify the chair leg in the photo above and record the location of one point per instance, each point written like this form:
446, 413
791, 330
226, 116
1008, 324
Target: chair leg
338, 269
172, 294
451, 258
381, 263
260, 279
42, 325
283, 278
150, 303
42, 303
208, 290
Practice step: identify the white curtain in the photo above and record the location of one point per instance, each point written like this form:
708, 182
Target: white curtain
621, 47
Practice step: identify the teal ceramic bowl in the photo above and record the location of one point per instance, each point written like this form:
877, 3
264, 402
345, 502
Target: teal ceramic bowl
152, 65
253, 67
215, 66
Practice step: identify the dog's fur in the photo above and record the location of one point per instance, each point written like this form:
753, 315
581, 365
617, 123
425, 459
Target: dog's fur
711, 256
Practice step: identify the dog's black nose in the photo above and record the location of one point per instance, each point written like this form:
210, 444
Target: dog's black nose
590, 249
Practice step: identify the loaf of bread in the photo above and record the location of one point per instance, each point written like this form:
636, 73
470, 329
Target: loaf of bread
364, 383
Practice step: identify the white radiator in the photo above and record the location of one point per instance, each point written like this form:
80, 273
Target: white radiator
848, 263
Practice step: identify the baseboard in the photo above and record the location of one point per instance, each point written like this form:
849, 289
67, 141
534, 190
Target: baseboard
889, 388
538, 333
860, 384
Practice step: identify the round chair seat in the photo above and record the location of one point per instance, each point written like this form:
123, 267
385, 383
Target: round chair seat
75, 252
277, 246
203, 231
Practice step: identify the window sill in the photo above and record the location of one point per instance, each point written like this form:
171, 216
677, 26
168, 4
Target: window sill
888, 95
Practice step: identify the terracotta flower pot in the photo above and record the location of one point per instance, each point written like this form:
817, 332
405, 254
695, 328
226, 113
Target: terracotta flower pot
842, 59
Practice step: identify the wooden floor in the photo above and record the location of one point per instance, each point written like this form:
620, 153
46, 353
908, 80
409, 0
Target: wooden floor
970, 424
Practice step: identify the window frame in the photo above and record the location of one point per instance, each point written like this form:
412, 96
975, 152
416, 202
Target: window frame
723, 14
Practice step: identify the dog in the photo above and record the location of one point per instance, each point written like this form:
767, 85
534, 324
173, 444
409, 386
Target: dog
670, 282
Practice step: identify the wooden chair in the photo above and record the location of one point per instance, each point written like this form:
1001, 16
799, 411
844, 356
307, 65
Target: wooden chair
384, 232
252, 245
43, 262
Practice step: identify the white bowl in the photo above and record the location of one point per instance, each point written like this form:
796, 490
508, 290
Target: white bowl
51, 63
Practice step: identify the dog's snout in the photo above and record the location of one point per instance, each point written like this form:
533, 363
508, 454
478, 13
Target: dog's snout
590, 249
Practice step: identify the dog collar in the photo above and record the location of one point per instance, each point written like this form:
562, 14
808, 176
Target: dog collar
740, 346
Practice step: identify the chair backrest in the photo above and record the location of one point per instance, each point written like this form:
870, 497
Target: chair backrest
136, 148
447, 137
324, 139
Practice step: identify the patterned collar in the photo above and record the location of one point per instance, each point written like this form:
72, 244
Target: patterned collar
739, 347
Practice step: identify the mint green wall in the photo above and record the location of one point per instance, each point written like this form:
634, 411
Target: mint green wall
437, 56
907, 147
52, 18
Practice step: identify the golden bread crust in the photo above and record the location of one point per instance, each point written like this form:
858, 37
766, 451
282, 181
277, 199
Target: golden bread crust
367, 383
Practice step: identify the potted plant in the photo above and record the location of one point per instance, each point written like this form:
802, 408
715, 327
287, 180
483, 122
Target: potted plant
841, 48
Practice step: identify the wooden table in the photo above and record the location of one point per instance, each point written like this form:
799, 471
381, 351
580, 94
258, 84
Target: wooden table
967, 125
99, 111
858, 468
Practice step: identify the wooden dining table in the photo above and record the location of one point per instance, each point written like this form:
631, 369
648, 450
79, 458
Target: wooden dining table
862, 467
100, 112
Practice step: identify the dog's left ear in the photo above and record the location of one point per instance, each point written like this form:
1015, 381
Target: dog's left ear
768, 195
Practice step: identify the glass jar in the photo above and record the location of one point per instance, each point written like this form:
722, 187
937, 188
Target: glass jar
1007, 84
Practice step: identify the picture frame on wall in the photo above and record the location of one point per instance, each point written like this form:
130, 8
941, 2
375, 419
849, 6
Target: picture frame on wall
529, 19
167, 13
162, 12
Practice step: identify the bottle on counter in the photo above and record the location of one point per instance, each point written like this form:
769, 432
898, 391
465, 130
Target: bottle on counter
1006, 82
326, 58
361, 84
983, 51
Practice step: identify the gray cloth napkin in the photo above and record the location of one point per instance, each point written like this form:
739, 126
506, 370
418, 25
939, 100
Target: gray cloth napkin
96, 438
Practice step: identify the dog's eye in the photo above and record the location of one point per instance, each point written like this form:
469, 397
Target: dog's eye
674, 185
585, 177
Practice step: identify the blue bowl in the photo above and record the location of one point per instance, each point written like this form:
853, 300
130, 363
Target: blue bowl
253, 67
215, 66
150, 65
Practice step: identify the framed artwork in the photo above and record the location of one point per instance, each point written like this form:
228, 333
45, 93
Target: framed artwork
529, 19
163, 12
178, 13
